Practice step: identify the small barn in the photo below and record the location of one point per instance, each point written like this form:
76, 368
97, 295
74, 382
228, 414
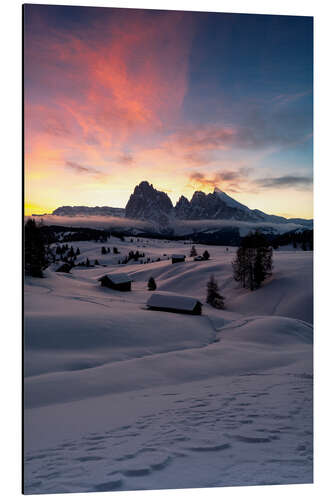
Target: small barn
171, 302
177, 258
119, 281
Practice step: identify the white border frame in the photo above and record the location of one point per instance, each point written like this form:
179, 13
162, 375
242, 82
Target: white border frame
10, 454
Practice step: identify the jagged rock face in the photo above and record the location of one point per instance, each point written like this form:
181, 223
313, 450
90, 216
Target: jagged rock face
148, 203
211, 206
182, 208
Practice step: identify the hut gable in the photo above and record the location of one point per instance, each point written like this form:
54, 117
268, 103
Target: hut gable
177, 257
119, 281
165, 301
64, 268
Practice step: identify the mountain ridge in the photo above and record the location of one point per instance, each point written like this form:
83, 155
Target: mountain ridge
149, 204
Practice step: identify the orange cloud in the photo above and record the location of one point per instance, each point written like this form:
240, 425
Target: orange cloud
195, 144
131, 75
97, 101
226, 179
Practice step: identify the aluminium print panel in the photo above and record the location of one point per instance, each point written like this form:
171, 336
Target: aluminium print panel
168, 249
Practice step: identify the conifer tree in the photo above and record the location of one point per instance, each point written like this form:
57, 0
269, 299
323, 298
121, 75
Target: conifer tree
214, 298
193, 252
152, 284
34, 250
206, 255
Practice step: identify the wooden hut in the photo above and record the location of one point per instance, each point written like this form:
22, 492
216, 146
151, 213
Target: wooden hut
177, 258
64, 268
119, 281
171, 302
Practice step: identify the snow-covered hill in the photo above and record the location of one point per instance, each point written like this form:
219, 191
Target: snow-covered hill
119, 397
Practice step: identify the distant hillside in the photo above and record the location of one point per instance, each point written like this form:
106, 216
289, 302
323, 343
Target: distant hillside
82, 210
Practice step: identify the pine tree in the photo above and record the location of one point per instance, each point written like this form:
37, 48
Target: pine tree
206, 255
103, 250
193, 252
253, 261
239, 266
77, 251
96, 262
87, 262
151, 284
214, 298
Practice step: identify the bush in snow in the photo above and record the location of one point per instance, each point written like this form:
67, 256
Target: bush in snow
151, 284
214, 298
206, 255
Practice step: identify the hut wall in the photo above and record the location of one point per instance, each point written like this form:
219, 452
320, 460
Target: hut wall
123, 287
195, 311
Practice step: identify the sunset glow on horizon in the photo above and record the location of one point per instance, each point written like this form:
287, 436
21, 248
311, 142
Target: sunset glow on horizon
187, 101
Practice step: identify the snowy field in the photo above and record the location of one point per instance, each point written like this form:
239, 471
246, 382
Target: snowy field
119, 397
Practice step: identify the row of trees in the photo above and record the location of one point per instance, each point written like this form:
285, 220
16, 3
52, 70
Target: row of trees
253, 263
302, 239
105, 250
35, 259
194, 253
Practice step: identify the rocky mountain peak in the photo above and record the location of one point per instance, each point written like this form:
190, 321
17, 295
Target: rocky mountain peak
148, 203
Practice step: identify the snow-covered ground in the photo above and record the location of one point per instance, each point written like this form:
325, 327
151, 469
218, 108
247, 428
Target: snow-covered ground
121, 397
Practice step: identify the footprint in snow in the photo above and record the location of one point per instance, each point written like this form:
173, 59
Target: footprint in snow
109, 485
138, 470
252, 439
89, 458
208, 447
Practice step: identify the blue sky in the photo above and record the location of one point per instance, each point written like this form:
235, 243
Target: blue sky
184, 100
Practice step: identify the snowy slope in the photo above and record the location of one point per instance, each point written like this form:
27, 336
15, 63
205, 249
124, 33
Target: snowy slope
122, 397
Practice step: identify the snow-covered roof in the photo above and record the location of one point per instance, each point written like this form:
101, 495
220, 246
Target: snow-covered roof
178, 256
172, 301
118, 278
